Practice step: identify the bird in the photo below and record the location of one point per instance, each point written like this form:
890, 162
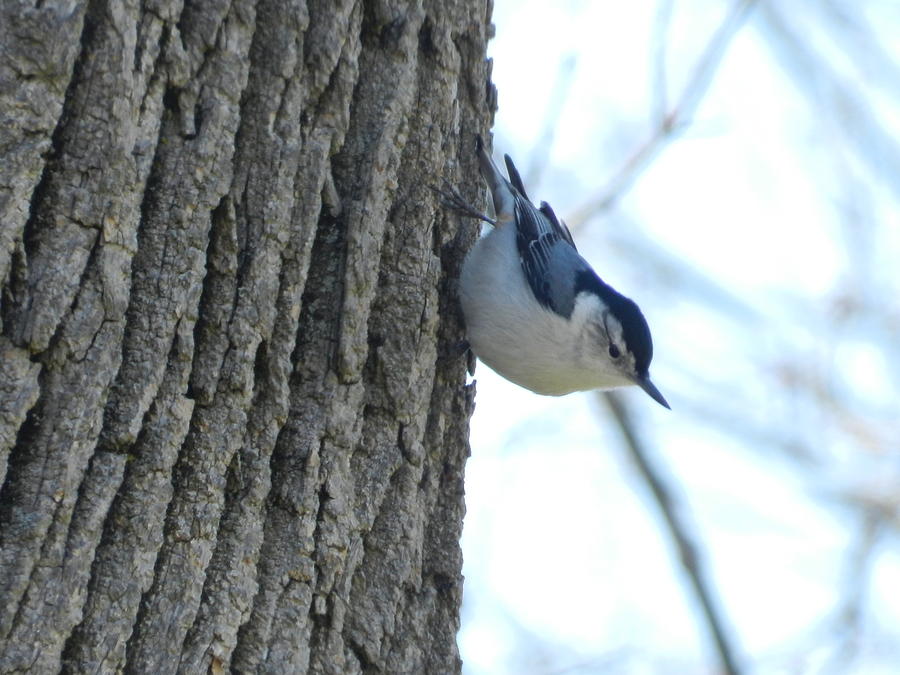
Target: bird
535, 311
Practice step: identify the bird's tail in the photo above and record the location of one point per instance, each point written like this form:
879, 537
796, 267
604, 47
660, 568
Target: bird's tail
502, 191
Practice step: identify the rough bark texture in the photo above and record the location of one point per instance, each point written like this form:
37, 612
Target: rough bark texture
232, 420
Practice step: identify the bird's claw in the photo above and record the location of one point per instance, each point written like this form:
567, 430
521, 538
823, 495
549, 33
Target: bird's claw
452, 199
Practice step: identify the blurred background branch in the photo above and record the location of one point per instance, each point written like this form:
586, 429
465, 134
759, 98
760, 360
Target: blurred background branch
671, 122
763, 247
690, 554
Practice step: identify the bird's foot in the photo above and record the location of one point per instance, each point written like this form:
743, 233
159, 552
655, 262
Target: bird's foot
452, 199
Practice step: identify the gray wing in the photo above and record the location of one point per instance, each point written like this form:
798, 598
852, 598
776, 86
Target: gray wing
548, 256
558, 224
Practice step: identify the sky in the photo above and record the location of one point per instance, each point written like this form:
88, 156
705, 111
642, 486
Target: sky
757, 242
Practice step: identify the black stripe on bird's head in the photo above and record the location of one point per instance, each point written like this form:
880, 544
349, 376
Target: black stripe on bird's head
635, 330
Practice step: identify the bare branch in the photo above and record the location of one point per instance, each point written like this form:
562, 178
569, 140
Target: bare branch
555, 106
855, 592
689, 551
672, 122
660, 79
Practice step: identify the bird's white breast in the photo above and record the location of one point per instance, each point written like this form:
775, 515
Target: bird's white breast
519, 338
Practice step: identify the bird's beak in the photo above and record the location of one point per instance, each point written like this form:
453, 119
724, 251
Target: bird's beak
645, 384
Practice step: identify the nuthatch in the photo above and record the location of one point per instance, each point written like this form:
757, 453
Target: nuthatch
535, 310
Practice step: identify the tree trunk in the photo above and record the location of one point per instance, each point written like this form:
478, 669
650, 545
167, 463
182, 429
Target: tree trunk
232, 420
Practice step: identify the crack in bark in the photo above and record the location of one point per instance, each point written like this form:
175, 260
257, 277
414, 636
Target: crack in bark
259, 515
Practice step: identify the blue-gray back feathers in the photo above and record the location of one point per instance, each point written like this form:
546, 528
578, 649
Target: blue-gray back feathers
549, 259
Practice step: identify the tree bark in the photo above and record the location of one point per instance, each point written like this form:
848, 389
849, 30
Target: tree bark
233, 424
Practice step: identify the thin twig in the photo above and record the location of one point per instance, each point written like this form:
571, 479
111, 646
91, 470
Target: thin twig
688, 550
855, 591
660, 80
672, 122
556, 103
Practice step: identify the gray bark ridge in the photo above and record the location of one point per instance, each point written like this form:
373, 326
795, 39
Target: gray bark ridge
233, 427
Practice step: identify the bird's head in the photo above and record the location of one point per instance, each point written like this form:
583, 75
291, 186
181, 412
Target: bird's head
621, 335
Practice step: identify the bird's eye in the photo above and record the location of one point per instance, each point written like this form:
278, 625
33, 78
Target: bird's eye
614, 352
